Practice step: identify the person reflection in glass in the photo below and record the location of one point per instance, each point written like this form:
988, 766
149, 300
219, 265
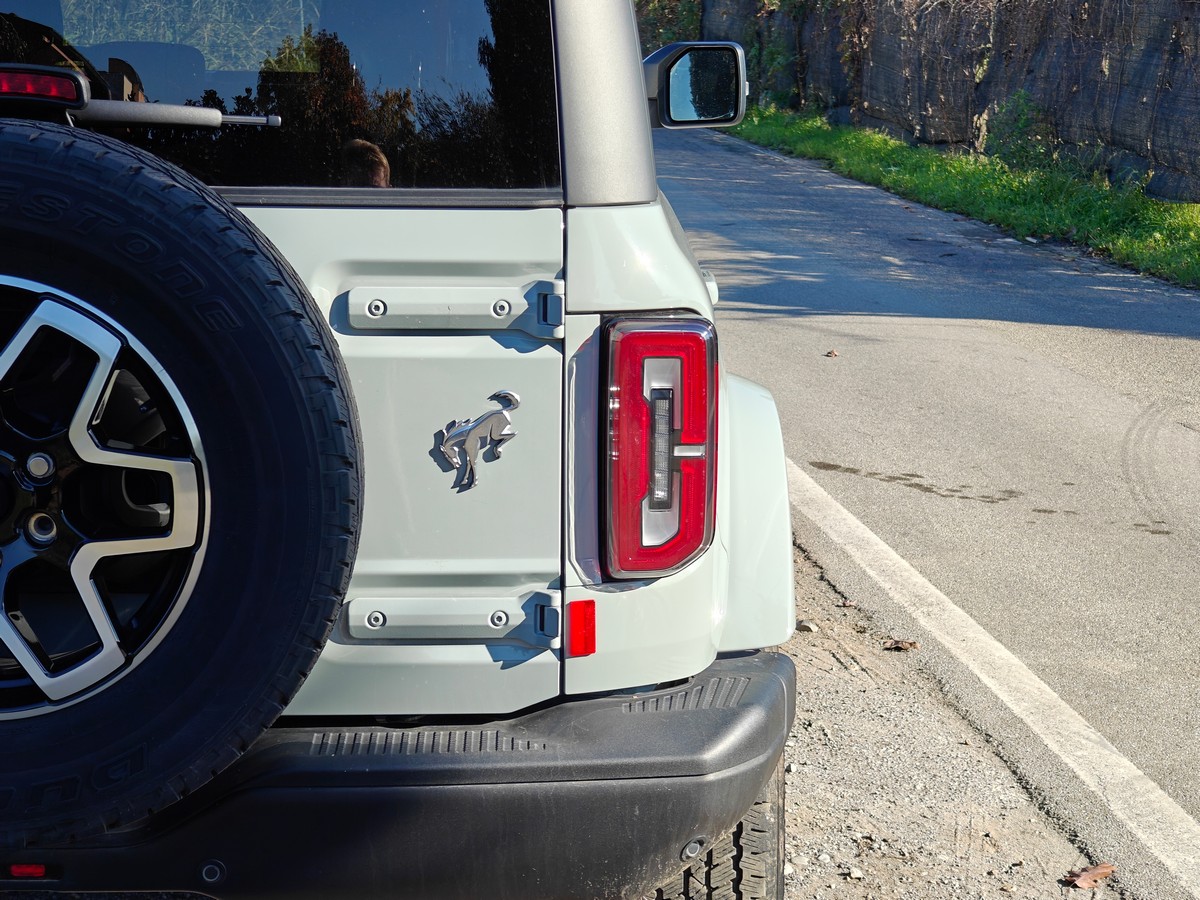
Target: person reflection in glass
364, 165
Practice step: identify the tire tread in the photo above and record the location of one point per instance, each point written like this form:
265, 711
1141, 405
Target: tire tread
746, 863
307, 349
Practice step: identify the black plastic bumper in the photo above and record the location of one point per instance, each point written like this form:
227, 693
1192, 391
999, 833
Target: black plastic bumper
592, 798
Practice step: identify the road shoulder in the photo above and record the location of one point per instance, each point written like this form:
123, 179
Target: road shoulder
891, 794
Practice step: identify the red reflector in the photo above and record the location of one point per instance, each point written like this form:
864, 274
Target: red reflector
581, 628
662, 420
26, 870
46, 87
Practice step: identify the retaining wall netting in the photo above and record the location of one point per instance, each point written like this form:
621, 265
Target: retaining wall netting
1117, 79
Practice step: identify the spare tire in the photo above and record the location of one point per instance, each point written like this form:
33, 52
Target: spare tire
179, 483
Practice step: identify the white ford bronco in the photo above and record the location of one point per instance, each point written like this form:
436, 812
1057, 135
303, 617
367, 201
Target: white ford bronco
376, 519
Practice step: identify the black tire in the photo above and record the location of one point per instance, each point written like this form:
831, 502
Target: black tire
745, 864
229, 379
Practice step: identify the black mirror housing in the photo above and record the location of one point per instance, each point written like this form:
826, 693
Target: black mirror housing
700, 84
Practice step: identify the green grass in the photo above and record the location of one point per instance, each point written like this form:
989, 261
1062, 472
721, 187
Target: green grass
1058, 199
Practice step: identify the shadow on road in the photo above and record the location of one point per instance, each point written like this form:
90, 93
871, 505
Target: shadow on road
787, 238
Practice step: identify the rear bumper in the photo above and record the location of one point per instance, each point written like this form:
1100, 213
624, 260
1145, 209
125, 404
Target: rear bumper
591, 798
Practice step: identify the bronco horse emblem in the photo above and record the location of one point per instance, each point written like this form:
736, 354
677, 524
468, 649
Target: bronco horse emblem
467, 438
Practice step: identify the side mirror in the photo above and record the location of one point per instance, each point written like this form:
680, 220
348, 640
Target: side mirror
696, 84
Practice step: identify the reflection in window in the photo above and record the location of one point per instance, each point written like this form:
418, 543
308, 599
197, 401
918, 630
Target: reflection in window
451, 93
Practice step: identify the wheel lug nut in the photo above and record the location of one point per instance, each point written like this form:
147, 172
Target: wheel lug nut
40, 465
41, 529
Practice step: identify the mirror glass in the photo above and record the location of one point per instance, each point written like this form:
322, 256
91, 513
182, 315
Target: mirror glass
703, 84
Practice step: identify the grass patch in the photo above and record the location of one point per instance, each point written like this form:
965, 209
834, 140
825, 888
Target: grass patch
1057, 199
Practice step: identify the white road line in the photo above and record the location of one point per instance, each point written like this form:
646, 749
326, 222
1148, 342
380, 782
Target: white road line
1162, 826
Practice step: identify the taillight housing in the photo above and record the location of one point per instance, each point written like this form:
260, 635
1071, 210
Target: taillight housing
662, 444
43, 84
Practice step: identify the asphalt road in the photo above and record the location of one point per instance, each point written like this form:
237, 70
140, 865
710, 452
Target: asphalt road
1020, 423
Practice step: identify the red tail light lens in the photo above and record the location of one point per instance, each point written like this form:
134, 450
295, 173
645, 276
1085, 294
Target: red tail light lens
26, 870
43, 83
662, 427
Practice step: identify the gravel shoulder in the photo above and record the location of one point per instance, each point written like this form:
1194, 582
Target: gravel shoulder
891, 794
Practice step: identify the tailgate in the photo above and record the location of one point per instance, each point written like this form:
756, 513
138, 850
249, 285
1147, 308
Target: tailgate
450, 323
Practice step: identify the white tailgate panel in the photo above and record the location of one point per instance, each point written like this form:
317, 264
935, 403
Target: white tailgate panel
453, 603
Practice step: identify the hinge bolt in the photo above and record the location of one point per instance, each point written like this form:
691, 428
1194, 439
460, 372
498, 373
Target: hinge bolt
376, 619
498, 619
501, 308
376, 309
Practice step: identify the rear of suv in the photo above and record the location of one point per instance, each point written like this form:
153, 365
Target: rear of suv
376, 518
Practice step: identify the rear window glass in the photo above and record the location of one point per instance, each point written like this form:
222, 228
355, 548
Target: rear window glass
368, 93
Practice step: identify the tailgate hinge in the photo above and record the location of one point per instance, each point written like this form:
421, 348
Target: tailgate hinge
547, 619
537, 308
552, 305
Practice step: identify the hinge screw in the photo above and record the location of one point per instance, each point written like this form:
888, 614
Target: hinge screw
501, 308
376, 619
376, 309
498, 619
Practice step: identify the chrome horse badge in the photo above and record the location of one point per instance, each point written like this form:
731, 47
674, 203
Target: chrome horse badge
468, 438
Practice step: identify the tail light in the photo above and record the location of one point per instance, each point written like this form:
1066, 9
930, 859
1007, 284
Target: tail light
26, 870
44, 84
662, 430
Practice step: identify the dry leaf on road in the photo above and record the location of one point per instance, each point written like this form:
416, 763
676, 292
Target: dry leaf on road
832, 353
894, 644
1091, 876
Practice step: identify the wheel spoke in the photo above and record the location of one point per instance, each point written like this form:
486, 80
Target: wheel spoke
83, 564
57, 686
50, 314
184, 506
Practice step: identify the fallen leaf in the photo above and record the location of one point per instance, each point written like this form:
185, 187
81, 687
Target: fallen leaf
847, 602
1091, 876
894, 644
832, 353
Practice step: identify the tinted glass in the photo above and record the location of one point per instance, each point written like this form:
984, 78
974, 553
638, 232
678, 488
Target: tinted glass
440, 93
